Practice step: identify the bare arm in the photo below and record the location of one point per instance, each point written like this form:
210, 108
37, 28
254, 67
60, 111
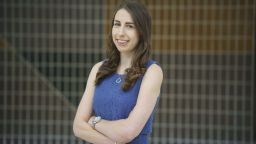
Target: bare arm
125, 130
80, 126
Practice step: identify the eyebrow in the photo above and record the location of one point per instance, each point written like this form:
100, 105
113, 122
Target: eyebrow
125, 22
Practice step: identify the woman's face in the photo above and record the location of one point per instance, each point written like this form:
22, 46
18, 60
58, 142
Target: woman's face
124, 32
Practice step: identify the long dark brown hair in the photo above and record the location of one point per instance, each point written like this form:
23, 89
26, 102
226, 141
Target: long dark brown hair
142, 21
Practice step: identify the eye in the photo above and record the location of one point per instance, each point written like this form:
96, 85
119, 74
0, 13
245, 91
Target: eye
116, 24
130, 26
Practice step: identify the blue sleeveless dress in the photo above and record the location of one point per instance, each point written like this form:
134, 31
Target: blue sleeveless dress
112, 103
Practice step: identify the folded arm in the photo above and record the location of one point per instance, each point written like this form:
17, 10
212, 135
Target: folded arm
81, 127
125, 130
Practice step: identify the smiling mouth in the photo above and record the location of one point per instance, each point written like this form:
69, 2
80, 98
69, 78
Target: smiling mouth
122, 42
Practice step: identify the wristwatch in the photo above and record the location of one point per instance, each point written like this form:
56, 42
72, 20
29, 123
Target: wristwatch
95, 121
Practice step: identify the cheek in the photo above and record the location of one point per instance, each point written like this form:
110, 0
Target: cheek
136, 38
113, 35
113, 32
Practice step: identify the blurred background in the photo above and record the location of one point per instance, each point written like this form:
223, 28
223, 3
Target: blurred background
205, 47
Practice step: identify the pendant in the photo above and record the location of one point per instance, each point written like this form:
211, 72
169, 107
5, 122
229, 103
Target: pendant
118, 80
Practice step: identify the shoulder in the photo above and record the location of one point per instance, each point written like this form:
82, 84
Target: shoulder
94, 70
153, 76
96, 66
153, 68
154, 71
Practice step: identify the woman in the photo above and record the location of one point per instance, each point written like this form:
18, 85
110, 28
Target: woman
122, 91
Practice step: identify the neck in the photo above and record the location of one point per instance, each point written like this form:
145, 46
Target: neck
125, 62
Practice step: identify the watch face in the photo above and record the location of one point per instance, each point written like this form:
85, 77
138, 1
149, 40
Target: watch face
97, 118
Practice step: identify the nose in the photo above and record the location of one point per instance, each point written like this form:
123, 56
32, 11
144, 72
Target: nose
121, 31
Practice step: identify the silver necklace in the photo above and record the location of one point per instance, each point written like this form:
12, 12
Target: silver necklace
118, 80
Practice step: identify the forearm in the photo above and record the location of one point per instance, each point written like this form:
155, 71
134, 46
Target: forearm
118, 130
84, 131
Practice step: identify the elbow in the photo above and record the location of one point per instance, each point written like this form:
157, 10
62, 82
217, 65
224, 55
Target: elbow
76, 129
129, 134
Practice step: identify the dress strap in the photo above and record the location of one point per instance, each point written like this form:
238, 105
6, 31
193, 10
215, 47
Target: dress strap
150, 62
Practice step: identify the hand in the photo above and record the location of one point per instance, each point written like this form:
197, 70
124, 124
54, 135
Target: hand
90, 120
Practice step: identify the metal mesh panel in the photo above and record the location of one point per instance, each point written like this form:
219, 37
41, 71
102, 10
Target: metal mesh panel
51, 47
206, 49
